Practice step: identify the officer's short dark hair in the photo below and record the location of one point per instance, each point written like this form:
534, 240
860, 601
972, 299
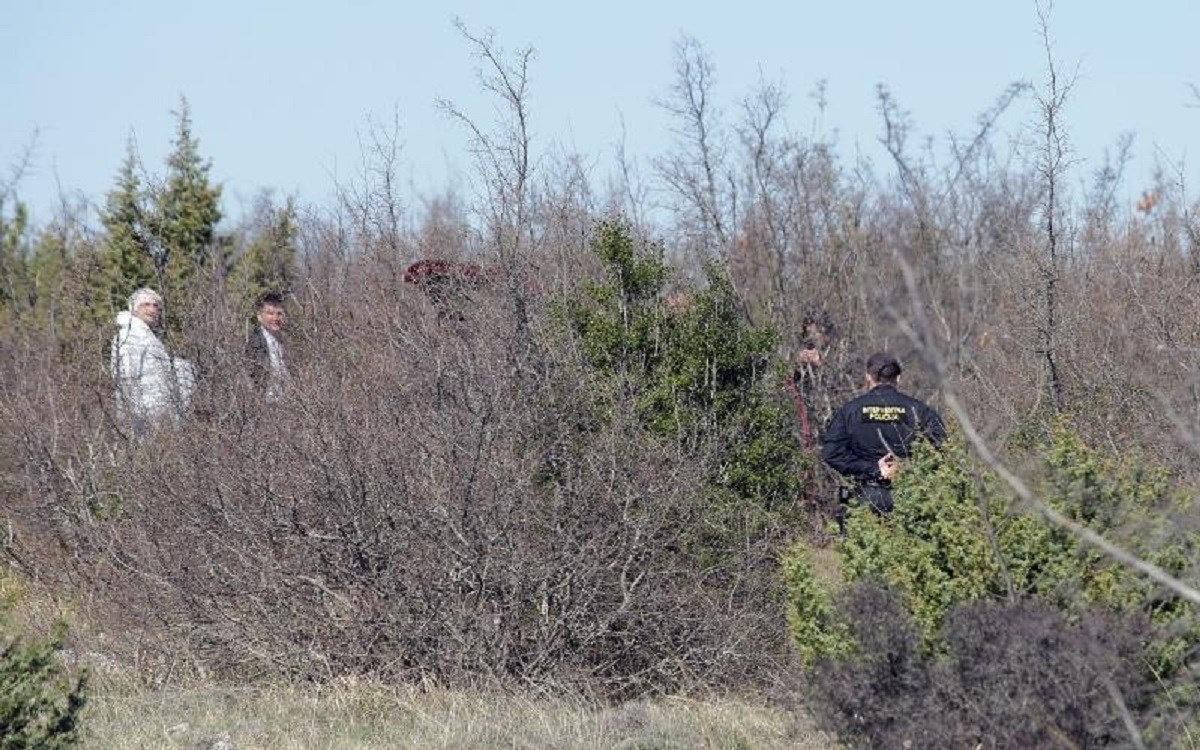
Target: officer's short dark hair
883, 367
268, 298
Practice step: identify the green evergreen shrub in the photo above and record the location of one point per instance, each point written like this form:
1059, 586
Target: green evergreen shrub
40, 703
958, 537
695, 372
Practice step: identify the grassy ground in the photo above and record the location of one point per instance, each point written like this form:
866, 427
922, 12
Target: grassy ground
375, 716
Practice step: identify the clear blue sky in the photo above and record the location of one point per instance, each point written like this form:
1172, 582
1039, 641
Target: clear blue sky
280, 90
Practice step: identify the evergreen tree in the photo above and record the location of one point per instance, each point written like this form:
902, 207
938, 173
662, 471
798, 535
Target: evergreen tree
186, 210
59, 288
125, 259
49, 268
695, 372
13, 251
268, 263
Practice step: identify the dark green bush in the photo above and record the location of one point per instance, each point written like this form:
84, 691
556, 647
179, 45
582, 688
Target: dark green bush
40, 703
695, 373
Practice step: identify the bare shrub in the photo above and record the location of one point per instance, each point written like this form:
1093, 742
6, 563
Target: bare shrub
422, 504
1013, 675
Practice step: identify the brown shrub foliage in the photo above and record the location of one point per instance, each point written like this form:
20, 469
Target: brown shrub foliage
1014, 675
429, 500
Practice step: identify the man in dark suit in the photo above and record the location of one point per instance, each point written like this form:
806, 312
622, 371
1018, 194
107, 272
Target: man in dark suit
264, 347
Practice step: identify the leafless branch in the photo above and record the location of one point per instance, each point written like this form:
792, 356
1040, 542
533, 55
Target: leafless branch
504, 154
921, 336
1053, 163
18, 167
696, 172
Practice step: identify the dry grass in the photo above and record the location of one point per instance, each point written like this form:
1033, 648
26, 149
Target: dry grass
364, 715
124, 712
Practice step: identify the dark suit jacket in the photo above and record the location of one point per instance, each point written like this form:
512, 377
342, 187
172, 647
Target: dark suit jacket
258, 358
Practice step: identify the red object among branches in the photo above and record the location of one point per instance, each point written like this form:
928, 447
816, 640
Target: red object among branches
806, 437
448, 281
426, 272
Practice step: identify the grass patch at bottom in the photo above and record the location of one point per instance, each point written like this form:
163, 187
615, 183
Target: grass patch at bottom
370, 715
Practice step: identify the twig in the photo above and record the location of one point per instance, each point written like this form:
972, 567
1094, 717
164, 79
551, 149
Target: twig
1027, 496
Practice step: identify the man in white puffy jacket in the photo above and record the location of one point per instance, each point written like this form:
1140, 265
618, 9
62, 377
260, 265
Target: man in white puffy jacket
150, 385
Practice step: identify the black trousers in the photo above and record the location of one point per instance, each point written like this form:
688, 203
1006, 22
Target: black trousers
878, 496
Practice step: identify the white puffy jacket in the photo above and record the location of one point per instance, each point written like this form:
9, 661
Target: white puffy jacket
150, 384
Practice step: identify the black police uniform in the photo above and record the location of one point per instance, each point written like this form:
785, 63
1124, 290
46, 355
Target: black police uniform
879, 422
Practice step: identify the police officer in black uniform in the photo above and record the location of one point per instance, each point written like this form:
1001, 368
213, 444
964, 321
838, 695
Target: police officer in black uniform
867, 437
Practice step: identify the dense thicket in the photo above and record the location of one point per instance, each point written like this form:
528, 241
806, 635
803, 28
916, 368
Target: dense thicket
431, 500
580, 470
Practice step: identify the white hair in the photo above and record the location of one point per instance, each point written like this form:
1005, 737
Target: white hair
145, 294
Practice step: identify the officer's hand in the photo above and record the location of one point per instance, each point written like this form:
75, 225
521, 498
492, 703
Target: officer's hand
889, 466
